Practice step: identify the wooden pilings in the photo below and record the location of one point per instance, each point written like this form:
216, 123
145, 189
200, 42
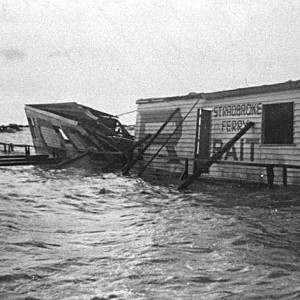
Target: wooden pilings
284, 176
13, 157
10, 148
270, 175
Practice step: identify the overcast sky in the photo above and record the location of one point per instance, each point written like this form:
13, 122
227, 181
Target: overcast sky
108, 53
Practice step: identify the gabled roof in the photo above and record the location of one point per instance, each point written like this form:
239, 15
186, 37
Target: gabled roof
271, 88
72, 110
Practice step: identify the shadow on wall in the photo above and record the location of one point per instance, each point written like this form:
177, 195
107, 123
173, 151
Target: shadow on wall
151, 122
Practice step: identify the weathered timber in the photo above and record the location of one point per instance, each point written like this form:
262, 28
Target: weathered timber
71, 160
10, 147
125, 131
284, 176
139, 155
137, 144
270, 175
128, 153
169, 137
19, 157
217, 156
185, 172
284, 167
20, 160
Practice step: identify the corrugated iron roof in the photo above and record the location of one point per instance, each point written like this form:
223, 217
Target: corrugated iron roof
271, 88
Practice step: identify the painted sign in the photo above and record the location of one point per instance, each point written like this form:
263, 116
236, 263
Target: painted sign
236, 110
151, 122
243, 150
232, 118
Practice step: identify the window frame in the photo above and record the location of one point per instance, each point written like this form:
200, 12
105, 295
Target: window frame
64, 136
263, 125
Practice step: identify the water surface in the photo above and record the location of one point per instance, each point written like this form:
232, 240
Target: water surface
81, 234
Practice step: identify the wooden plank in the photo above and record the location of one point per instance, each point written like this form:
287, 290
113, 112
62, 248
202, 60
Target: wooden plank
284, 176
215, 157
196, 145
169, 138
250, 164
185, 172
25, 157
35, 160
71, 160
33, 112
270, 176
133, 162
129, 152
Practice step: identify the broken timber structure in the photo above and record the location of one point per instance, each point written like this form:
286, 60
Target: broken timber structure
20, 155
77, 134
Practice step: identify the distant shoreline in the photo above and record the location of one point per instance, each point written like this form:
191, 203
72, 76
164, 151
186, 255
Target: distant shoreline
12, 127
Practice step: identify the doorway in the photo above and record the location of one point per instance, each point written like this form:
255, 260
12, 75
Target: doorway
203, 134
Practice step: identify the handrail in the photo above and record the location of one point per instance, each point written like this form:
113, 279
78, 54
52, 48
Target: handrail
9, 147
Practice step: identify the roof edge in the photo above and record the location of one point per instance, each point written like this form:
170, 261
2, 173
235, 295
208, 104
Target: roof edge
262, 89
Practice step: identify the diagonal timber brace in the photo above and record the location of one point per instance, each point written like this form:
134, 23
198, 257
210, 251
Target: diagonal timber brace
217, 156
151, 140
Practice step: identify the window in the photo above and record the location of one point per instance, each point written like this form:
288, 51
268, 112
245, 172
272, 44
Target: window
277, 123
62, 134
65, 137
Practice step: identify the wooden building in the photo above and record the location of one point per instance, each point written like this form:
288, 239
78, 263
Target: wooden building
71, 131
207, 121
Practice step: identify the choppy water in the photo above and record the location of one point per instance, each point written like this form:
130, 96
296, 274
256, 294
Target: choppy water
75, 234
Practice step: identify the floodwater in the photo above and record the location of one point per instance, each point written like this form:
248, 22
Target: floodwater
80, 234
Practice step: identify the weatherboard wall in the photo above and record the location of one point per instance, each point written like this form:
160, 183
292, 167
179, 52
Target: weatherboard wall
151, 114
45, 138
250, 148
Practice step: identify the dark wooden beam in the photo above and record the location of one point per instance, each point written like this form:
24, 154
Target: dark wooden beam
153, 137
217, 156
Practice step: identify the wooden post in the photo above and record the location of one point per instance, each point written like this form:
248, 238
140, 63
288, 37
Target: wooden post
196, 140
10, 147
185, 172
270, 175
217, 156
133, 162
27, 150
284, 176
197, 133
